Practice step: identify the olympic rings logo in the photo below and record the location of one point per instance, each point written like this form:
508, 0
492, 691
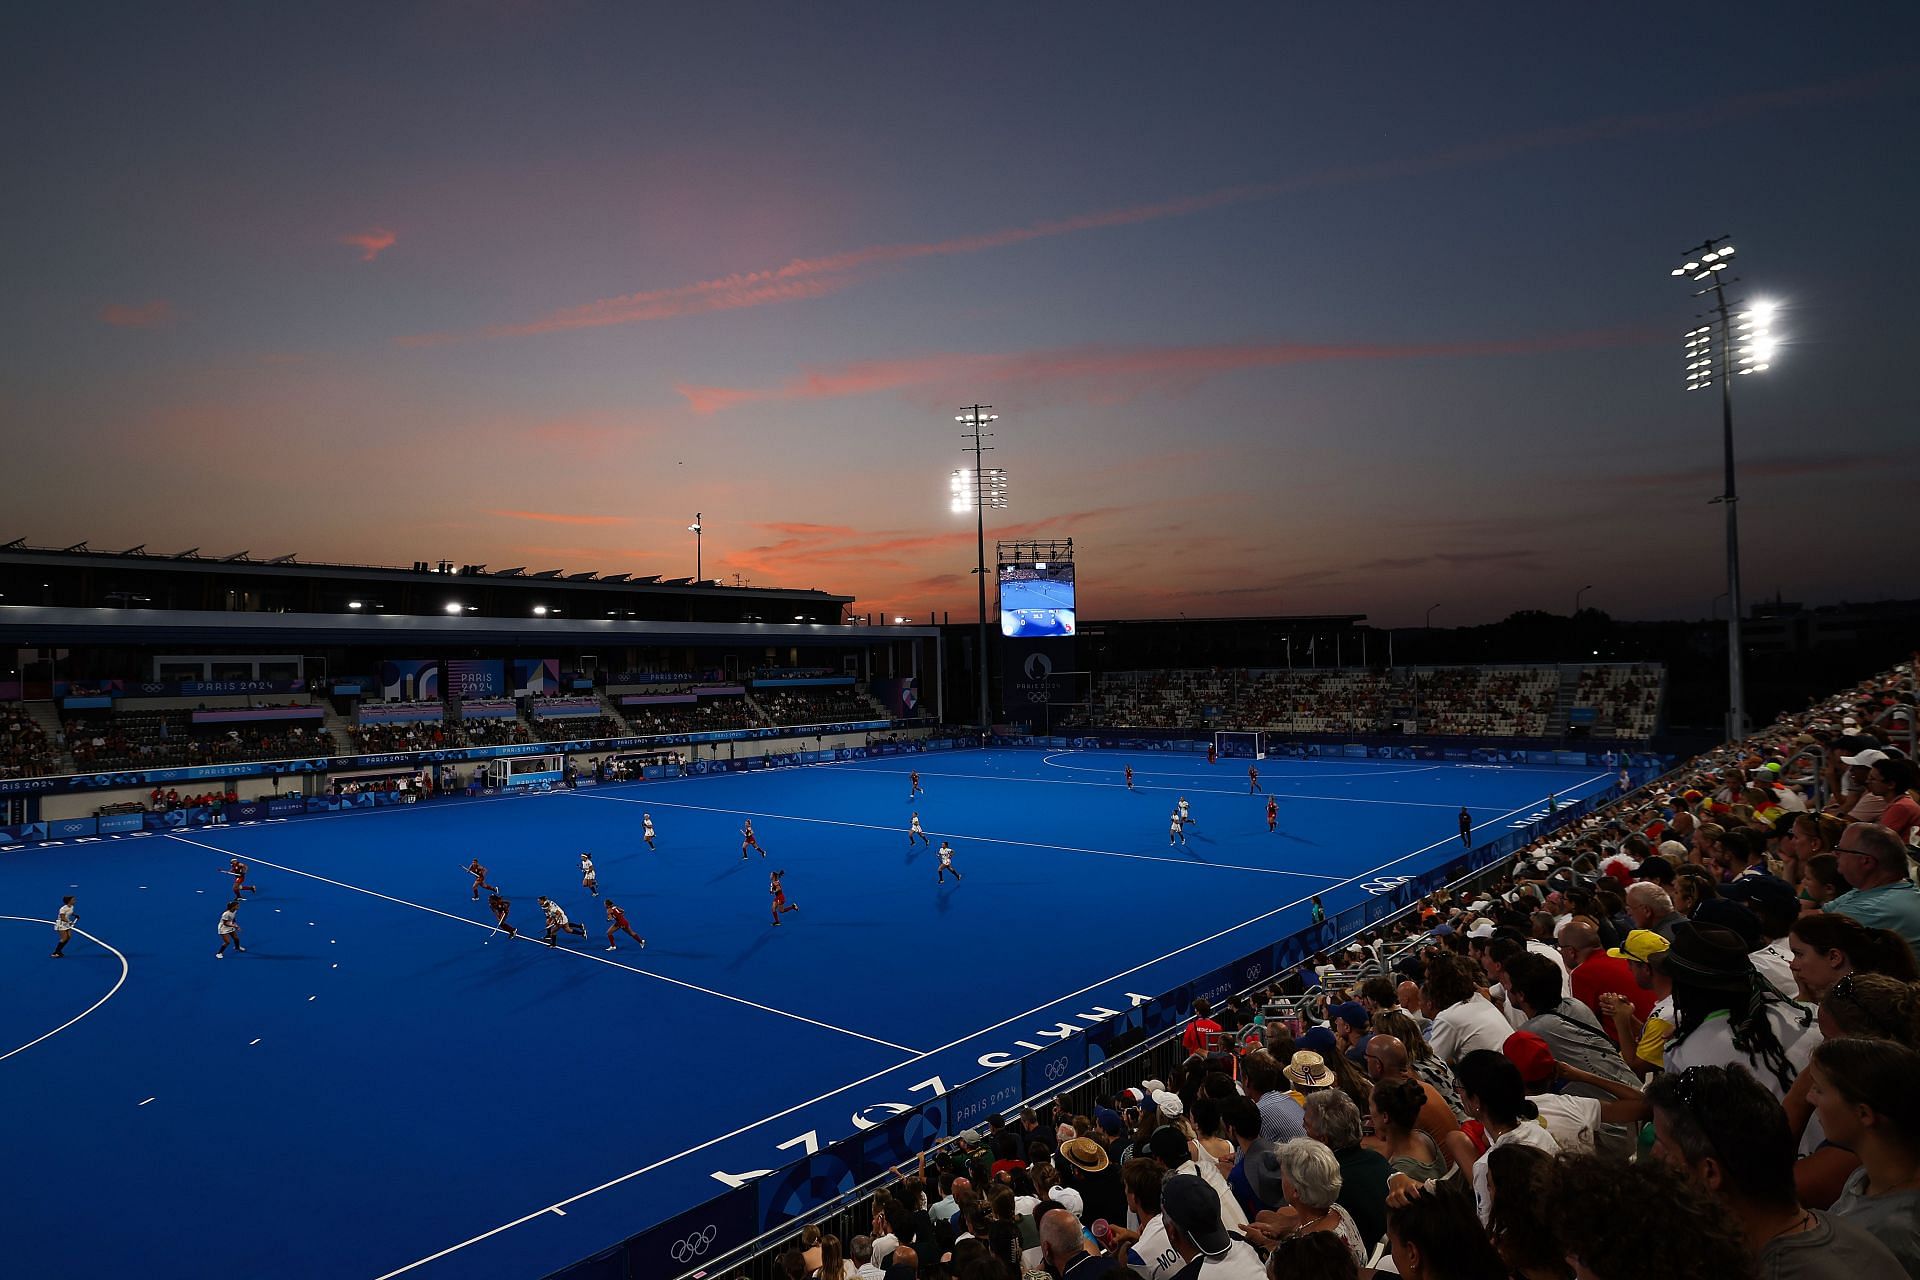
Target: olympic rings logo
1057, 1070
695, 1245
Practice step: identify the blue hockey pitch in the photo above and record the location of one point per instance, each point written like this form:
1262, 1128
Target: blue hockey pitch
383, 1085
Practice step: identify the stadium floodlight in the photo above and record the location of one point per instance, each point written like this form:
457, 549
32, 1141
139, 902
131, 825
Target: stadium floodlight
1730, 343
695, 529
353, 604
981, 487
539, 611
454, 606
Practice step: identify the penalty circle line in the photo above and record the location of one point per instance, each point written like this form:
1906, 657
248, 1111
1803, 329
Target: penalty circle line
121, 981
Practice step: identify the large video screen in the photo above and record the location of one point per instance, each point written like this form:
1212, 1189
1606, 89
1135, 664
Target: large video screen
1036, 600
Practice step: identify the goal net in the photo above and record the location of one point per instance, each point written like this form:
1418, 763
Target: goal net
527, 771
1240, 744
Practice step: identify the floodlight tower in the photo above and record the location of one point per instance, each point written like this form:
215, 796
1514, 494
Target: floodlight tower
1746, 345
696, 529
980, 488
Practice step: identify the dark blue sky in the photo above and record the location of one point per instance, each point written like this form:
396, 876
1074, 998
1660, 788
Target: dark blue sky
1284, 310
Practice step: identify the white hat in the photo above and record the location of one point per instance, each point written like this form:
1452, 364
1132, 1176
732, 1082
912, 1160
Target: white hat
1168, 1104
1869, 756
1153, 1086
1069, 1199
1484, 929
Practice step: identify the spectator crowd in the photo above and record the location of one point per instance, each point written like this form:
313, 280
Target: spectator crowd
1504, 702
1678, 1039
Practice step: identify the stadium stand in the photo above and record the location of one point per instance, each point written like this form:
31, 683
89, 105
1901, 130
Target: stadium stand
145, 739
1498, 701
709, 714
1624, 700
26, 750
1409, 1084
815, 705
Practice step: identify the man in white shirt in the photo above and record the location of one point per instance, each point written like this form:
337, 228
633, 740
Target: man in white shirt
861, 1254
1150, 1254
1191, 1209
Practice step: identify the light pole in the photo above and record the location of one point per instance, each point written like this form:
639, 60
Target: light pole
980, 488
1746, 345
695, 530
1576, 598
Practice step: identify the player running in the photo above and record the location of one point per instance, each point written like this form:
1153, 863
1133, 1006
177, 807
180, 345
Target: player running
748, 840
239, 870
589, 878
1253, 778
915, 832
1176, 831
1186, 813
557, 922
1213, 753
617, 923
500, 906
63, 925
229, 930
918, 790
1466, 827
646, 829
1129, 777
946, 863
479, 874
1273, 813
779, 892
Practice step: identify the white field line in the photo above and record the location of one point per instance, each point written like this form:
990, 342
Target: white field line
957, 835
800, 1106
124, 968
584, 955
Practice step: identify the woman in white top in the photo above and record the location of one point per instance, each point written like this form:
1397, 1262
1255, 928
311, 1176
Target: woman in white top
1494, 1094
229, 929
1463, 1020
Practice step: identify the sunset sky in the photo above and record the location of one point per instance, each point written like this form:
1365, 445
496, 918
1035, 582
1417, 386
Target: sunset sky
1284, 309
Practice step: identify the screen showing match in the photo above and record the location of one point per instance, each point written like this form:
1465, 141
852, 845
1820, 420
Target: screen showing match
1036, 600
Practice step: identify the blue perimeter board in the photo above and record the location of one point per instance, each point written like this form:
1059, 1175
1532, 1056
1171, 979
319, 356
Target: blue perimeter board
380, 1078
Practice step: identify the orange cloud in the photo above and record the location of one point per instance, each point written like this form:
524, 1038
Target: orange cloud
1116, 373
371, 244
157, 314
816, 277
555, 517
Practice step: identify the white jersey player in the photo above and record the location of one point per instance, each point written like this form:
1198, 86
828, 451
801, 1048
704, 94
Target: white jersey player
946, 863
589, 878
915, 833
1186, 816
557, 922
229, 929
63, 924
1176, 829
646, 829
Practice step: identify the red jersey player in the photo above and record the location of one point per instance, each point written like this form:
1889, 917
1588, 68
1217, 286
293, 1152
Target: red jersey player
1253, 778
479, 874
499, 905
1129, 777
239, 870
617, 923
918, 790
779, 892
1213, 754
749, 841
1273, 814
